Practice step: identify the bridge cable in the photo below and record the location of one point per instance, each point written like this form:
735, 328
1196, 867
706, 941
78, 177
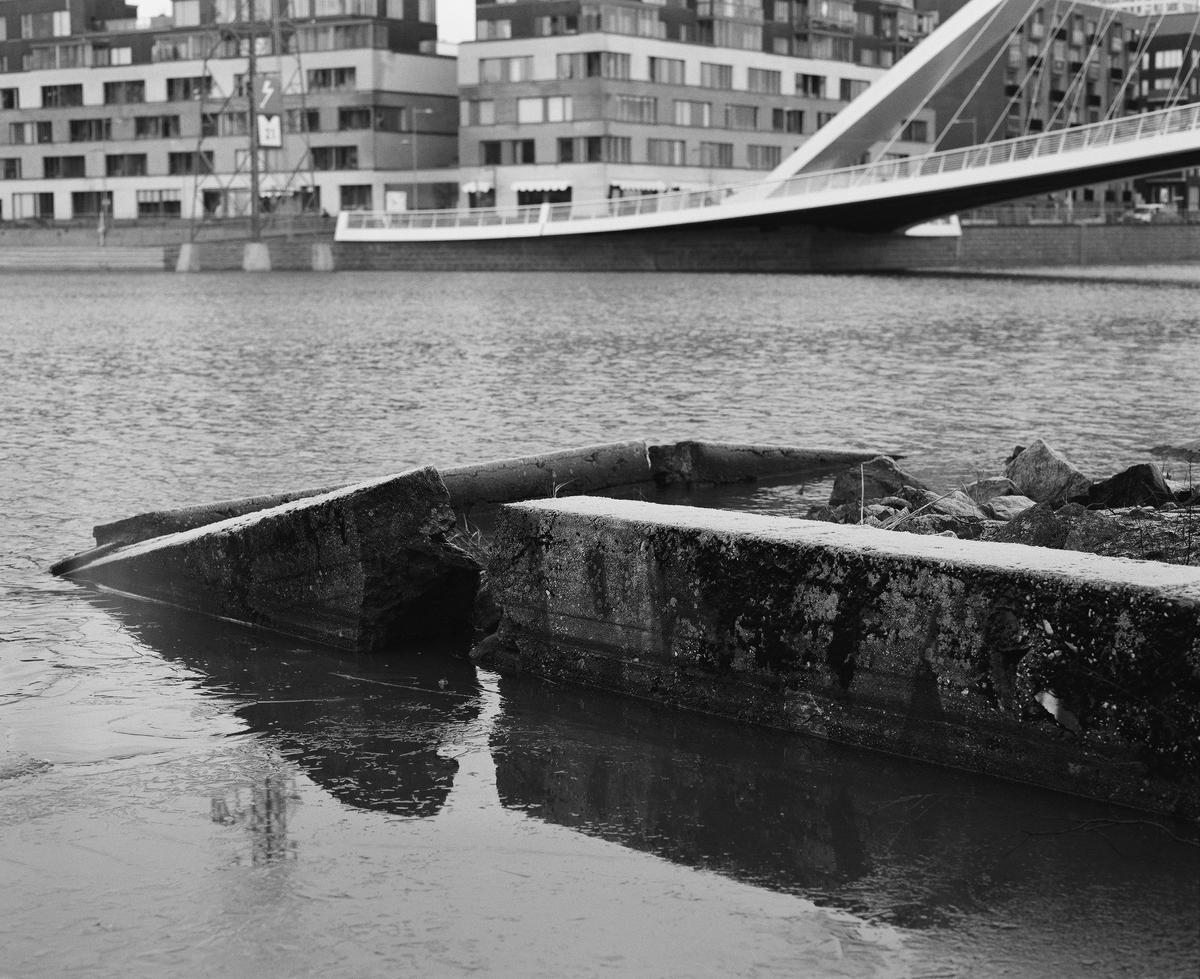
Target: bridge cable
949, 73
1139, 52
1078, 80
1001, 50
1034, 71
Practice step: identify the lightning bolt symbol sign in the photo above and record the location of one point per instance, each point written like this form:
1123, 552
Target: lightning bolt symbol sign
268, 89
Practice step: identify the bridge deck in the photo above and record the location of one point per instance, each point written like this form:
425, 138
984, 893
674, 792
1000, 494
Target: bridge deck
916, 188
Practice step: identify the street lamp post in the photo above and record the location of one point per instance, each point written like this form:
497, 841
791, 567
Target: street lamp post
415, 113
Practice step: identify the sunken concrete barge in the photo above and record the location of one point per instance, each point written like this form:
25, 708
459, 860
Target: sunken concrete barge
1068, 670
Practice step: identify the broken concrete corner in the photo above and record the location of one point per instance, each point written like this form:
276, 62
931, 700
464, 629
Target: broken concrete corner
353, 568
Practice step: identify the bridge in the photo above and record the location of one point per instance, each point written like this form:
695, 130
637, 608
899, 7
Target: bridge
814, 186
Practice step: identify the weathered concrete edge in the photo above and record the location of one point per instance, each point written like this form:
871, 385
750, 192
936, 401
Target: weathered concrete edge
694, 461
588, 469
340, 568
565, 635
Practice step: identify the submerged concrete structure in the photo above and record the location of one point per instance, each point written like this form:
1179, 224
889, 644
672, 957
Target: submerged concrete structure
1066, 670
354, 568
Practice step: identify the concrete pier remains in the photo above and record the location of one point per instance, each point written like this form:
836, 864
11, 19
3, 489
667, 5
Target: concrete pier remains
1067, 670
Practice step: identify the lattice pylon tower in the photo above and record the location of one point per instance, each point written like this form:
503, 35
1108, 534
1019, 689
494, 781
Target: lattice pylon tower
281, 172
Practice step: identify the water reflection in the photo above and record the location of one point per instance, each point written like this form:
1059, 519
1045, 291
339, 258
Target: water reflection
367, 729
263, 814
893, 840
959, 860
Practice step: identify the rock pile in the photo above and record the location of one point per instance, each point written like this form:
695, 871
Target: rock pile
1042, 499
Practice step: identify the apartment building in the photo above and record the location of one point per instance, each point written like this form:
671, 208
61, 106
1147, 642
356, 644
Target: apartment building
102, 114
566, 100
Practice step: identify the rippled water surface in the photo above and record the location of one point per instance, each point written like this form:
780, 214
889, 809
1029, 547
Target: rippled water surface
184, 798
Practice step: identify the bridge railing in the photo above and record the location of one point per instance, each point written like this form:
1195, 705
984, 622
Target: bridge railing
1056, 142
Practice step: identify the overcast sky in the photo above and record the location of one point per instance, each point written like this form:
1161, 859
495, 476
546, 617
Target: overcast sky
456, 18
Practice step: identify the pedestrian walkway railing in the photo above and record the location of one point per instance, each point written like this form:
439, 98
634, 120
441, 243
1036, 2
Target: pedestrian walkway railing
1060, 143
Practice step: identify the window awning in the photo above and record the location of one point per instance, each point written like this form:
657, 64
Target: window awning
643, 186
520, 185
477, 186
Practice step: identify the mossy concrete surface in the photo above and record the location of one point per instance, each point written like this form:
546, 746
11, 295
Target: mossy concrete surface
356, 568
1071, 671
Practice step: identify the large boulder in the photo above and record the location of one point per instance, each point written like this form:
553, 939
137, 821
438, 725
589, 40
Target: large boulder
1044, 475
1007, 507
871, 480
1037, 526
1140, 485
982, 490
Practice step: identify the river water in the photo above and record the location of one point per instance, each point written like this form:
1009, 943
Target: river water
180, 797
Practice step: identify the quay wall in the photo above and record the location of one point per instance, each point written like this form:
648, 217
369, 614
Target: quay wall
778, 250
1066, 670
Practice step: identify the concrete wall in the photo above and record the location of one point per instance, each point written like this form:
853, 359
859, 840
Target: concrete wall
683, 250
1062, 669
1082, 244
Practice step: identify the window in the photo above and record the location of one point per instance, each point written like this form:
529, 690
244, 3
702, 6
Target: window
356, 197
187, 89
10, 168
490, 152
518, 69
358, 117
666, 71
916, 131
636, 108
868, 56
29, 132
741, 117
89, 130
57, 167
763, 157
58, 96
765, 82
531, 110
10, 98
668, 152
812, 86
302, 120
716, 76
594, 64
493, 30
851, 88
553, 26
125, 165
158, 204
106, 57
224, 124
179, 164
36, 205
86, 203
1168, 59
823, 118
523, 151
335, 157
120, 93
691, 113
716, 154
156, 127
787, 120
595, 149
331, 79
